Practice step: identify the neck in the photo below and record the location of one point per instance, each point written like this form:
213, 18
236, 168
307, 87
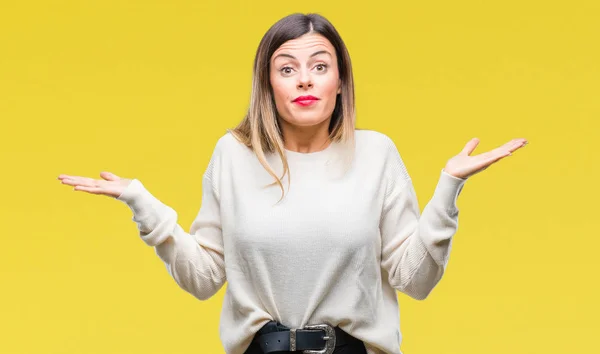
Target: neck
305, 139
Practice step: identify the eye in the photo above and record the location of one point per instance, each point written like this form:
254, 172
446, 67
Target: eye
286, 70
323, 66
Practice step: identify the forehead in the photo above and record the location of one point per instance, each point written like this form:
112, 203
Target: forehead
305, 44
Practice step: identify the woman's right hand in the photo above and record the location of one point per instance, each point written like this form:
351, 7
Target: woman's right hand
111, 185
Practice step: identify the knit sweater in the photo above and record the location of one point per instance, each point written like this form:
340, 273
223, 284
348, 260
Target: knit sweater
334, 250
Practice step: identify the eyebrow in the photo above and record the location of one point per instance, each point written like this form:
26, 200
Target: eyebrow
312, 55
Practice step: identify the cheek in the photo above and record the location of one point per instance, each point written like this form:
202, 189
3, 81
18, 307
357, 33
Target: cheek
280, 90
280, 98
330, 84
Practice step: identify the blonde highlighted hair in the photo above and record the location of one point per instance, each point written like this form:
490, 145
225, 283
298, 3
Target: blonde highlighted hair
259, 130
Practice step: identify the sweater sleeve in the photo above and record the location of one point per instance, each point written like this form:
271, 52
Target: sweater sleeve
415, 247
195, 259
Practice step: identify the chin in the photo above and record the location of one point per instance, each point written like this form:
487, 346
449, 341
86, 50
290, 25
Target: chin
306, 122
307, 119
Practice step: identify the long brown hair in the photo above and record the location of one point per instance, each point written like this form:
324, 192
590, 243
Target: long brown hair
259, 130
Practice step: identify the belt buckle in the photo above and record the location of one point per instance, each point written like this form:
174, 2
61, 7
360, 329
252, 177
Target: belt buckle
329, 339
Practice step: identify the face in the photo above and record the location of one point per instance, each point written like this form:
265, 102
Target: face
300, 68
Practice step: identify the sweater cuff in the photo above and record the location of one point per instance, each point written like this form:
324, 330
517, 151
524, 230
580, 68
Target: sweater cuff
141, 202
448, 190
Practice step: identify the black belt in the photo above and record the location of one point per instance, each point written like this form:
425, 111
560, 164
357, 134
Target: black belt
313, 339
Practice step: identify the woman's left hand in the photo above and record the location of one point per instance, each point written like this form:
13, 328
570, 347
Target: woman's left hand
464, 166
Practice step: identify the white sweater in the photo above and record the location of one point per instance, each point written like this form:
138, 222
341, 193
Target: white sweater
333, 251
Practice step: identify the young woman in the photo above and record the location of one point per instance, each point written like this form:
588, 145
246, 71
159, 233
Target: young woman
313, 224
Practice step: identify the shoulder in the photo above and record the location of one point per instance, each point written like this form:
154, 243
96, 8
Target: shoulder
374, 142
229, 146
380, 150
228, 151
227, 142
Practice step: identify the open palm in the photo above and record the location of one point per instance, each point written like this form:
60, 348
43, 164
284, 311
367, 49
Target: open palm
110, 185
464, 165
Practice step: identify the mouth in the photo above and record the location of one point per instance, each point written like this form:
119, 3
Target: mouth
305, 100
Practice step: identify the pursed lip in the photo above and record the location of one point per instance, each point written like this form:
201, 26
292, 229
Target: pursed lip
305, 98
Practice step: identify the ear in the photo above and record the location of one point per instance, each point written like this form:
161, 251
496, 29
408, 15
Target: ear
339, 87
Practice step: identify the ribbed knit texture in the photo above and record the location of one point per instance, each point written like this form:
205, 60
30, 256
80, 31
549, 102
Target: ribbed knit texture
334, 250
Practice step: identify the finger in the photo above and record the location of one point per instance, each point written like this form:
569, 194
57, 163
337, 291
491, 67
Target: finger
486, 159
92, 190
494, 157
516, 142
509, 147
109, 176
72, 178
504, 149
66, 181
470, 146
70, 182
497, 153
519, 143
83, 181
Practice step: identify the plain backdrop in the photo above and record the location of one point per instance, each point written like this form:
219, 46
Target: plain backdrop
144, 89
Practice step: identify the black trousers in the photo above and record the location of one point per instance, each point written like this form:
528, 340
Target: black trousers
353, 346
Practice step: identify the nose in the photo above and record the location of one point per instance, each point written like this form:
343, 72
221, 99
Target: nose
304, 81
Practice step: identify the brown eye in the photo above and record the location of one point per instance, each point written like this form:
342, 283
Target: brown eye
286, 70
323, 66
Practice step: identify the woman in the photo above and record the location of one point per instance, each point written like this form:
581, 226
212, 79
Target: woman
313, 223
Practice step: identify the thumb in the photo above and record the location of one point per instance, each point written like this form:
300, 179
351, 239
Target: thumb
471, 145
109, 176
